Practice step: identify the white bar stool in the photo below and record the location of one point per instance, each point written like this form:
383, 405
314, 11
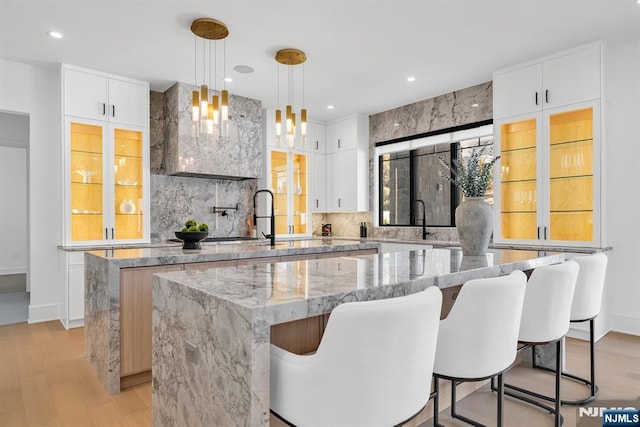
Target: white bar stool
478, 339
586, 307
545, 320
373, 366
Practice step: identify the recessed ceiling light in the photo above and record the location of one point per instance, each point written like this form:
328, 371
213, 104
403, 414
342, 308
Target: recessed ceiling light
244, 69
55, 34
475, 104
329, 107
228, 79
396, 124
411, 79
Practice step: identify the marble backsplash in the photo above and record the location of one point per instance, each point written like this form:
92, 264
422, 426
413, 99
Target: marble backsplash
348, 225
174, 199
442, 112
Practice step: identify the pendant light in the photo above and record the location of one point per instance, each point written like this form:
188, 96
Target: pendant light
291, 57
206, 112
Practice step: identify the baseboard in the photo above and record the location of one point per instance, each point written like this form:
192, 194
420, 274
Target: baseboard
625, 324
76, 323
12, 270
43, 313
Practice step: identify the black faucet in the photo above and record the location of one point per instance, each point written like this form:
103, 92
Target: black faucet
272, 235
424, 218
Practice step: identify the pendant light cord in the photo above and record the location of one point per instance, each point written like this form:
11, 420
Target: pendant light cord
195, 60
224, 70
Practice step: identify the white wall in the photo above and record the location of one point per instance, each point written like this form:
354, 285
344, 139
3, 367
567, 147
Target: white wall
622, 186
35, 91
13, 209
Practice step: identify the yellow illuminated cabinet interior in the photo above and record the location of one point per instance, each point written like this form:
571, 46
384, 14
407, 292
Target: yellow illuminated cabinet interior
289, 183
106, 200
547, 192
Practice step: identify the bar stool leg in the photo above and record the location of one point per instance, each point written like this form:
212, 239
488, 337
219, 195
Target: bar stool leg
436, 397
500, 399
558, 378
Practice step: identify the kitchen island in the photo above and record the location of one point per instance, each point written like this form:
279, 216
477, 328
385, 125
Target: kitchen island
212, 328
117, 322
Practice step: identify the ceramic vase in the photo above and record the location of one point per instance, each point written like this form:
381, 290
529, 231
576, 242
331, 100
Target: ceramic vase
474, 219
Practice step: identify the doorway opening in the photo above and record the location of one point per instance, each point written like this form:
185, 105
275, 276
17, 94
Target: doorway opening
14, 227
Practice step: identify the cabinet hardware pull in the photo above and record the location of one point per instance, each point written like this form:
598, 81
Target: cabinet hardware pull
339, 143
104, 109
293, 229
112, 234
538, 233
317, 203
317, 148
545, 233
106, 233
339, 203
536, 98
113, 111
546, 96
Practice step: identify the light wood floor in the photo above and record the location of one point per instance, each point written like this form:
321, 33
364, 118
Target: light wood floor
45, 381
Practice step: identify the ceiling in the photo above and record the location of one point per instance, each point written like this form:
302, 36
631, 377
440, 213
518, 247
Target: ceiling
360, 52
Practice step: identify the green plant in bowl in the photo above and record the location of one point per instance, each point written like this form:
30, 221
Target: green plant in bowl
192, 233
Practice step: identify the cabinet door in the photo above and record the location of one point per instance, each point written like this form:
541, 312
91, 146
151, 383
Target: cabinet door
85, 180
129, 186
342, 180
517, 91
319, 183
128, 103
517, 190
331, 138
299, 212
572, 78
572, 184
85, 95
280, 187
135, 317
318, 141
347, 134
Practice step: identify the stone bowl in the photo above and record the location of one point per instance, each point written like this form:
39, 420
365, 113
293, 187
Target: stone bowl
191, 239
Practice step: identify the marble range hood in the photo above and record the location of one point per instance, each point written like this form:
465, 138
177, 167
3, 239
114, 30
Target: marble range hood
237, 157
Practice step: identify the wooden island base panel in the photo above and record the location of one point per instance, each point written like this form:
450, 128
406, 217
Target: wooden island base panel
118, 289
212, 329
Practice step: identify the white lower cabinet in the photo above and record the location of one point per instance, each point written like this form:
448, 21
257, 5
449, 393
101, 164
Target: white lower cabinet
72, 301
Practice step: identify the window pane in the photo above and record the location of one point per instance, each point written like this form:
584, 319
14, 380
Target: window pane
432, 189
395, 189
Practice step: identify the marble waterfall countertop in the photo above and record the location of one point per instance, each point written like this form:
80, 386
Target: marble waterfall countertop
174, 254
102, 285
211, 328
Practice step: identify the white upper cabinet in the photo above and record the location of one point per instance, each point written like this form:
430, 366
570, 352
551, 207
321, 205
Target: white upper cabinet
518, 91
99, 96
572, 78
317, 138
125, 99
569, 77
85, 95
348, 133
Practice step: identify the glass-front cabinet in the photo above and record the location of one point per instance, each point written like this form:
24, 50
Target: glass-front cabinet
289, 182
106, 183
548, 188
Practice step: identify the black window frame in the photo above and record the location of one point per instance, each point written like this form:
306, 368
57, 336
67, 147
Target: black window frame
454, 149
